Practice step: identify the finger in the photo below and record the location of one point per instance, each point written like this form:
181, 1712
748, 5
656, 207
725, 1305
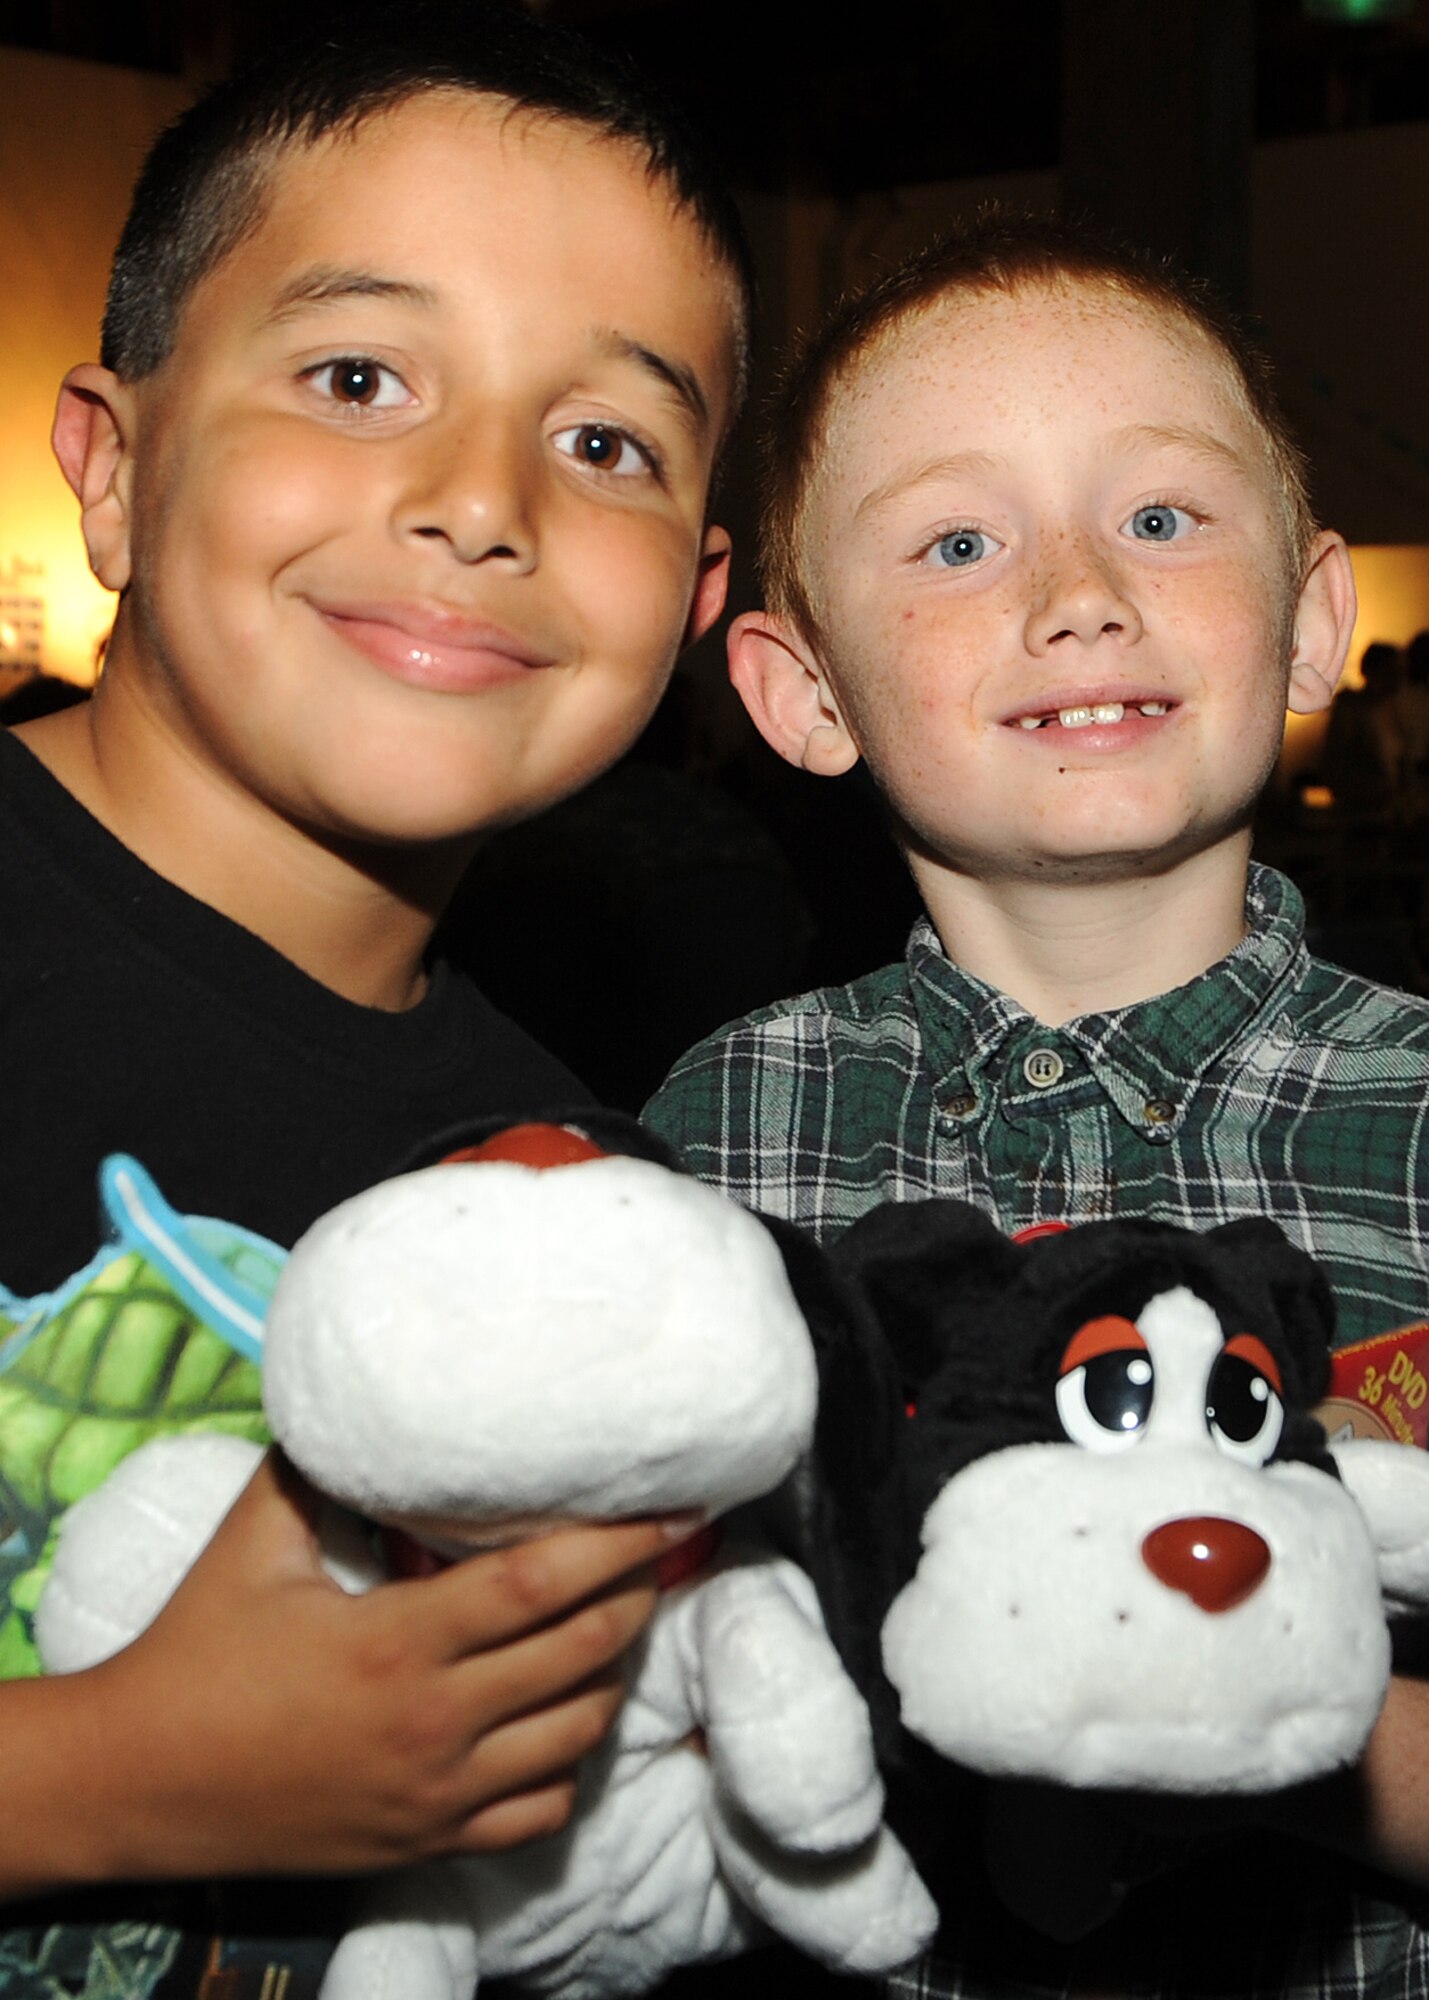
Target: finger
511, 1822
546, 1667
506, 1593
534, 1749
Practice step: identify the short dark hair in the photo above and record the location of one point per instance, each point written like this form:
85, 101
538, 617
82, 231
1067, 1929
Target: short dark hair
999, 252
202, 186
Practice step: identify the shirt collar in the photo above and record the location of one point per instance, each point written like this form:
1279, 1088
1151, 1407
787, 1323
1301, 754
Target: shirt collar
1148, 1058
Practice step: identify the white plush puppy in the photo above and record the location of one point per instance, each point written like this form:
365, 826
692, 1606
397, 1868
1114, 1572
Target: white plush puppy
480, 1350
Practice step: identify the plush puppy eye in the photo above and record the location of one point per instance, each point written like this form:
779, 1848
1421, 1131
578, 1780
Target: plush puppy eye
1244, 1413
604, 448
961, 548
360, 382
1157, 523
1105, 1385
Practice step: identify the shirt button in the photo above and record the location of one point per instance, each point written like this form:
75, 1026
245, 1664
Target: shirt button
1158, 1111
1043, 1068
959, 1105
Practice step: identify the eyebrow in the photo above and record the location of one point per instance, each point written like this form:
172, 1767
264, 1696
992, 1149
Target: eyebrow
673, 374
1178, 437
328, 284
1134, 437
951, 465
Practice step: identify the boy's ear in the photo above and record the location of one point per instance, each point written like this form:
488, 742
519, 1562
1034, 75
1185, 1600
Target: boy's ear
711, 583
1324, 624
92, 434
782, 683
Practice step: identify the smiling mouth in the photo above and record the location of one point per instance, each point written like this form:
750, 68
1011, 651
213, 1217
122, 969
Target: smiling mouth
1101, 714
432, 650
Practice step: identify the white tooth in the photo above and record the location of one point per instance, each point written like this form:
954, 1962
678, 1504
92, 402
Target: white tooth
1074, 718
1029, 722
1108, 711
1155, 707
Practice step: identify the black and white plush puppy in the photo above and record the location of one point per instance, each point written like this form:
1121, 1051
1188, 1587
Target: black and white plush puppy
1115, 1551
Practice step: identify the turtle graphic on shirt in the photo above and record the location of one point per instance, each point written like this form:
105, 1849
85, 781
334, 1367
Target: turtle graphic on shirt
161, 1332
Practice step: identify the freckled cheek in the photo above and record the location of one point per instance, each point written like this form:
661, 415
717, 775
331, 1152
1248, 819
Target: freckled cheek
1233, 642
927, 683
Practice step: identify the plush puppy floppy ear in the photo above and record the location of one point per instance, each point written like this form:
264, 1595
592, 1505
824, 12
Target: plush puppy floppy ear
841, 1514
782, 682
93, 442
928, 1269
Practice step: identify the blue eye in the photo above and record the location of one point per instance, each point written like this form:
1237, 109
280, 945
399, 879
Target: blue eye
1158, 523
961, 549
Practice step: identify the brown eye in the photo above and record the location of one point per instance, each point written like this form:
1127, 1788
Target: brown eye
355, 381
604, 449
597, 446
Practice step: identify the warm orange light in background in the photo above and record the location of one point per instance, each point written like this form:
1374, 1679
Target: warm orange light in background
39, 533
1393, 585
71, 140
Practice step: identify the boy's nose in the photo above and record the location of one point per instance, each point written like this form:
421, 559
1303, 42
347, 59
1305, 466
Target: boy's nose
1078, 596
472, 490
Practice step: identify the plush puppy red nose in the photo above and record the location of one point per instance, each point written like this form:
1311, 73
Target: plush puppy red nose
532, 1146
1217, 1563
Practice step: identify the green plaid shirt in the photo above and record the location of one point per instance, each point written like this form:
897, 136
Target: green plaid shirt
1272, 1085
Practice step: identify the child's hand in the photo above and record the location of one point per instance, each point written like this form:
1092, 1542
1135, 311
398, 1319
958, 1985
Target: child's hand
268, 1722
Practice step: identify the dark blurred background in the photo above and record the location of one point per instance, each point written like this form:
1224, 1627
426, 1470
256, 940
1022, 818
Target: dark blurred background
912, 90
1278, 147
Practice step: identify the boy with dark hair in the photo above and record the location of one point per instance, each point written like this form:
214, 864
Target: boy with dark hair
1038, 549
421, 346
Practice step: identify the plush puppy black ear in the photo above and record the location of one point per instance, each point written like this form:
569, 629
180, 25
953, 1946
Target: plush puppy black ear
841, 1513
927, 1269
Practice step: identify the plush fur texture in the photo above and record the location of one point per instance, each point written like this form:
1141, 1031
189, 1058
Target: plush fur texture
493, 1284
1069, 1513
1031, 1538
502, 1346
1115, 1552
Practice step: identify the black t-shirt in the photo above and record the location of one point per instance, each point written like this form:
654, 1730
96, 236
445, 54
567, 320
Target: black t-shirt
247, 1100
136, 1019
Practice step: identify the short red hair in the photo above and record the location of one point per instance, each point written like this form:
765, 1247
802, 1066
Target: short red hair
997, 253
